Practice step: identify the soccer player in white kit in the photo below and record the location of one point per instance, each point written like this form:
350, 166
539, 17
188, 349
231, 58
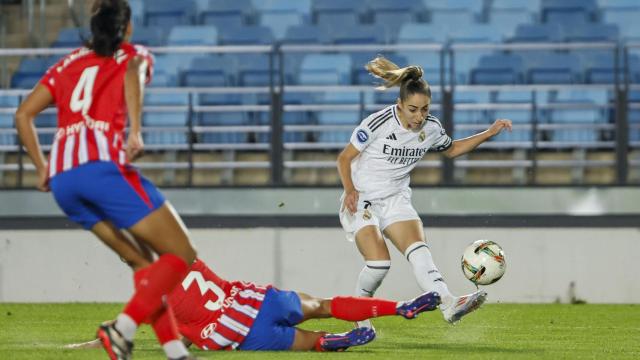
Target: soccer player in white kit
374, 168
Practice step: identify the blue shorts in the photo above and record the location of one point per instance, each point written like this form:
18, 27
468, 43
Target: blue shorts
102, 190
274, 328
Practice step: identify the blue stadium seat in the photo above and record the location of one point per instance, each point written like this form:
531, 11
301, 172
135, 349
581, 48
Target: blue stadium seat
148, 36
335, 7
420, 33
359, 34
337, 118
70, 38
528, 5
551, 9
29, 72
288, 118
206, 71
618, 4
537, 33
545, 67
224, 119
392, 22
468, 116
600, 68
6, 119
246, 35
507, 20
626, 19
168, 67
160, 99
305, 34
253, 70
227, 13
278, 22
576, 116
193, 35
394, 13
476, 7
325, 69
517, 116
167, 120
590, 32
302, 7
168, 13
49, 121
498, 69
476, 33
332, 23
137, 12
447, 20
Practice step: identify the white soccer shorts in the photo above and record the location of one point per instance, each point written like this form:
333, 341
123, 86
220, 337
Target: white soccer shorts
380, 212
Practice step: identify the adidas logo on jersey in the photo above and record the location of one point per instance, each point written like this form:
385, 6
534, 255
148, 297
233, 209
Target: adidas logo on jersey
392, 137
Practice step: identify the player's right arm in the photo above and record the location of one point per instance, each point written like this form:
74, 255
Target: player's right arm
35, 103
347, 155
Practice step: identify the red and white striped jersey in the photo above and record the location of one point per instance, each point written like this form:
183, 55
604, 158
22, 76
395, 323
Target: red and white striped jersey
88, 91
213, 313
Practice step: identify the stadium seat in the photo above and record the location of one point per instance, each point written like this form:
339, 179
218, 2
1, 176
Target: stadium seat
304, 34
165, 120
205, 71
332, 23
394, 13
253, 70
498, 69
6, 119
137, 12
576, 116
337, 118
537, 33
505, 21
392, 22
517, 116
587, 32
334, 8
468, 116
476, 7
278, 22
168, 13
420, 33
626, 19
246, 35
528, 5
325, 69
29, 72
193, 35
448, 20
302, 7
227, 13
543, 67
148, 36
359, 34
48, 121
288, 118
551, 9
618, 4
70, 38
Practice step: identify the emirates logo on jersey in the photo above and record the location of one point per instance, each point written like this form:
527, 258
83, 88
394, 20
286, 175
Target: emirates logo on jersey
207, 331
422, 136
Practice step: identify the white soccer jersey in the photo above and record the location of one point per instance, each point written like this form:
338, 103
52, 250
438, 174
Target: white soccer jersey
388, 152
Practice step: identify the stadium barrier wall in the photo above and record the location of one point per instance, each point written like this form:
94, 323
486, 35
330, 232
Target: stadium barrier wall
542, 263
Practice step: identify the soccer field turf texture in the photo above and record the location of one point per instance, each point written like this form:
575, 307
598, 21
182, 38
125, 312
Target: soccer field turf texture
496, 331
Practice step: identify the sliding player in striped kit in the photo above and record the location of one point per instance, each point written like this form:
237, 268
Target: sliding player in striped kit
374, 168
94, 89
216, 314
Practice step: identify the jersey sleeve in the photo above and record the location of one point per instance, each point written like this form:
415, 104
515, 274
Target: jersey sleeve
443, 141
149, 60
49, 79
364, 134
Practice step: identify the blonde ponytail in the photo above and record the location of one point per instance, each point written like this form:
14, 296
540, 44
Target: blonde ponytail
392, 75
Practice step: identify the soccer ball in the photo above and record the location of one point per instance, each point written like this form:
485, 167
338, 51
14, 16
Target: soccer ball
483, 262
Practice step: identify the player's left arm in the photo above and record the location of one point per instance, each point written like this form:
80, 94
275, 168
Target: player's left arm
134, 81
466, 145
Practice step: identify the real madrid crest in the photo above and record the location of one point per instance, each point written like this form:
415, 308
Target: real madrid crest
366, 214
422, 136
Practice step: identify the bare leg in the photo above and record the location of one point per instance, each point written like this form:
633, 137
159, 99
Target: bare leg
306, 340
118, 242
314, 308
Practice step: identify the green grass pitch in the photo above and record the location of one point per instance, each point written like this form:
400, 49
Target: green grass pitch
497, 331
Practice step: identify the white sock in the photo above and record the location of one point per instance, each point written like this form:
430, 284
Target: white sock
175, 349
126, 326
426, 273
371, 277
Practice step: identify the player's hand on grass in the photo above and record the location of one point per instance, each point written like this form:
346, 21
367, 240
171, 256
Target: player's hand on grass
43, 180
499, 125
350, 202
135, 145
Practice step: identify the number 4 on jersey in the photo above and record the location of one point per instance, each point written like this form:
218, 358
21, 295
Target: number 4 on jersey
81, 97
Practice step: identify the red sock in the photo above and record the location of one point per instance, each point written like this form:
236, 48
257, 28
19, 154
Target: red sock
161, 278
318, 344
163, 321
351, 308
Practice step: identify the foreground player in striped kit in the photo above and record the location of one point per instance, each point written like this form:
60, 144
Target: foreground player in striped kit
94, 89
374, 168
216, 314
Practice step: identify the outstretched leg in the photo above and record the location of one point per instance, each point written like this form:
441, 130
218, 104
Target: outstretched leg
306, 340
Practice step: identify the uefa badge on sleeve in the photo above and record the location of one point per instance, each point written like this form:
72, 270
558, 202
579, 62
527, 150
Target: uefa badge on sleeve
362, 136
366, 214
422, 136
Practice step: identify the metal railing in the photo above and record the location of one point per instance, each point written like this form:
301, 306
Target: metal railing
278, 88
